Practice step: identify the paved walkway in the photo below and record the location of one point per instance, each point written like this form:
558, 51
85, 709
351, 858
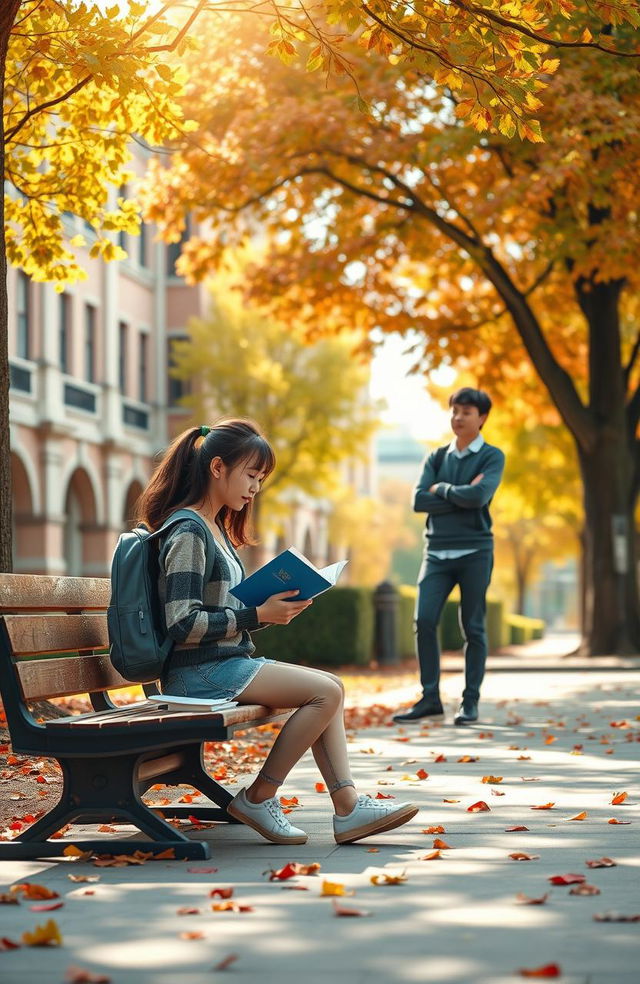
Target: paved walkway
566, 738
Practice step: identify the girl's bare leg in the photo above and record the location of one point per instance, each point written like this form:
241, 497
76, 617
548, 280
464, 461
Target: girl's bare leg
318, 723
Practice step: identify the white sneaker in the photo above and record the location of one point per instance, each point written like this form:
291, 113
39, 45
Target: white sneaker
267, 818
370, 816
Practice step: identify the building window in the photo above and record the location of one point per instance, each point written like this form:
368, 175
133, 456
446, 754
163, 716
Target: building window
23, 347
122, 236
142, 368
176, 388
143, 246
90, 343
175, 249
123, 332
64, 331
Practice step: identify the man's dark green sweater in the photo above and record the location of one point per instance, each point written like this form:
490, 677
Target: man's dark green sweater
458, 511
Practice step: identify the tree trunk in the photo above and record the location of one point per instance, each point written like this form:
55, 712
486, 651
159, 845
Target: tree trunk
8, 11
611, 619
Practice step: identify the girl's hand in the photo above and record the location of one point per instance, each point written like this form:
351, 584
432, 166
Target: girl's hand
279, 609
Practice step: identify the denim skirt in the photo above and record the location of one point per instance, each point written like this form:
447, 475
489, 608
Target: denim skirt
221, 679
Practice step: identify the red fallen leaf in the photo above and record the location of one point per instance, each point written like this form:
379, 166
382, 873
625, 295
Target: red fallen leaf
402, 739
618, 798
226, 962
290, 801
438, 842
569, 879
32, 891
193, 935
469, 758
496, 792
106, 828
220, 893
440, 758
601, 863
80, 975
548, 970
519, 826
7, 944
45, 906
433, 856
616, 917
545, 806
584, 889
187, 910
479, 807
550, 739
579, 816
613, 820
385, 796
320, 788
348, 910
202, 871
521, 856
421, 774
373, 850
528, 900
438, 829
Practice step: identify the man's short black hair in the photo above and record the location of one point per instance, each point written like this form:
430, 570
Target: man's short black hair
467, 396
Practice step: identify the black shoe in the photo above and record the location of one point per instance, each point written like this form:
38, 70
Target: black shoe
467, 712
428, 707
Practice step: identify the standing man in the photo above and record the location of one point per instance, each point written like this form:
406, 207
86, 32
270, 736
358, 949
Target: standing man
456, 488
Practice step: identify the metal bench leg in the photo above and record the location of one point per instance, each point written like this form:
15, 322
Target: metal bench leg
193, 772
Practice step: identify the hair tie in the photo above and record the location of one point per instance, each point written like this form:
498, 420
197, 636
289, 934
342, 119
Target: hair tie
204, 430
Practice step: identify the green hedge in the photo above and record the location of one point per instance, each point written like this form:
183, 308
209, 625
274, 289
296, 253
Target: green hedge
405, 635
337, 630
523, 629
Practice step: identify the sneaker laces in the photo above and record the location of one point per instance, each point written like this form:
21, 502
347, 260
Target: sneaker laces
275, 810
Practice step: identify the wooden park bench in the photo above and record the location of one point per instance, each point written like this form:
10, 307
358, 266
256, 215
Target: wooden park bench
54, 643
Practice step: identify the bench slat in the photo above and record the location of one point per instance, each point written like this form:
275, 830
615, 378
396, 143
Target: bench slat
43, 592
253, 714
68, 675
35, 634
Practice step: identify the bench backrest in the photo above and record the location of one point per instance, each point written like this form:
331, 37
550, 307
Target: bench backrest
53, 637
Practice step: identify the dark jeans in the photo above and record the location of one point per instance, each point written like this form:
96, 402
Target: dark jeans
437, 580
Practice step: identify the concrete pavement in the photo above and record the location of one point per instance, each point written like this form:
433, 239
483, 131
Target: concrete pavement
566, 738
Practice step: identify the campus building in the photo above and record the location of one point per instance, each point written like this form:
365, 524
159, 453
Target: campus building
92, 405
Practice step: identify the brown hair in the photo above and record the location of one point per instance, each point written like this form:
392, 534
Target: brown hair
183, 476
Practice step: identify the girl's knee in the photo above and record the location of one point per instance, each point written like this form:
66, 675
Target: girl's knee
331, 692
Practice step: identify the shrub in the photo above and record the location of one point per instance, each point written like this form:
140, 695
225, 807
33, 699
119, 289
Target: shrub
523, 629
337, 630
405, 636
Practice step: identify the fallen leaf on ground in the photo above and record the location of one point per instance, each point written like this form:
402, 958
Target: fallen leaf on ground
549, 739
45, 906
437, 829
291, 869
220, 893
601, 863
187, 910
616, 917
421, 774
387, 879
291, 801
320, 788
529, 900
521, 856
613, 820
584, 889
492, 779
84, 878
438, 842
31, 891
335, 888
545, 806
524, 758
440, 758
450, 801
47, 935
548, 970
7, 944
373, 850
569, 879
579, 816
434, 856
71, 851
202, 871
519, 826
469, 758
231, 907
496, 792
7, 899
226, 962
195, 934
347, 910
385, 796
80, 975
479, 807
618, 798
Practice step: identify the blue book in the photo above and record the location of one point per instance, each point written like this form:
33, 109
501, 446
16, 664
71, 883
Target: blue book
287, 571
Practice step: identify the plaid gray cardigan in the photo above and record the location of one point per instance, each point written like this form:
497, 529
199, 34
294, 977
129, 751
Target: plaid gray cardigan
204, 620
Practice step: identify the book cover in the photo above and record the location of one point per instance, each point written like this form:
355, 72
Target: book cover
288, 571
172, 702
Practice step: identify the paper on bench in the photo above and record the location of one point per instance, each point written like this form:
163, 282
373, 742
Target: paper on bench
174, 702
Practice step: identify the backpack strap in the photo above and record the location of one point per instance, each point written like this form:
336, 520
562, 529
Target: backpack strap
440, 456
178, 517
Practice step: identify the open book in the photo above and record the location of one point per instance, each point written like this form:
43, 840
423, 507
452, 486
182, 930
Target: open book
286, 572
172, 702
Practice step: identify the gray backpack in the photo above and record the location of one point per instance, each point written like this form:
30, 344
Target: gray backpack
138, 646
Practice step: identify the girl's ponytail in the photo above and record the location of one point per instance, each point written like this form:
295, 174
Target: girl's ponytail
173, 482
